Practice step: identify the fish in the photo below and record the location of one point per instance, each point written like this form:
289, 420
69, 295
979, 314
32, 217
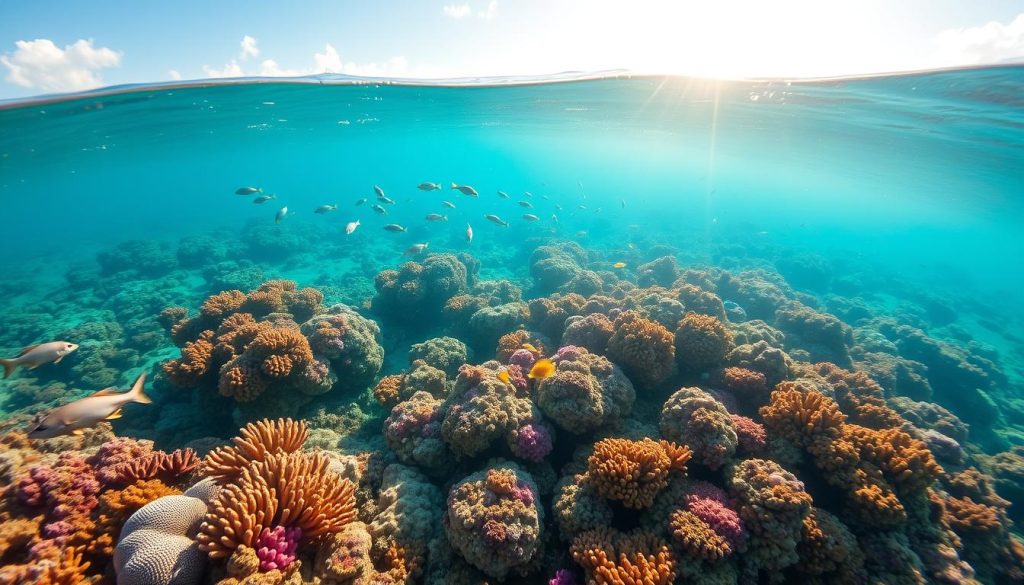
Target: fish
86, 412
325, 209
380, 209
505, 377
280, 214
623, 203
351, 227
416, 249
545, 197
495, 219
378, 191
554, 218
541, 369
503, 195
428, 186
385, 199
448, 204
248, 190
466, 190
436, 217
530, 348
584, 207
530, 217
361, 201
264, 198
631, 246
527, 194
469, 233
394, 227
619, 265
526, 204
34, 356
558, 207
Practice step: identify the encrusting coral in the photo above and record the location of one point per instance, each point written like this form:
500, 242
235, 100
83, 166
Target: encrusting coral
694, 418
644, 349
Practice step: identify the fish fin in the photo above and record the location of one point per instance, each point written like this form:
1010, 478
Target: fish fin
31, 366
9, 367
106, 392
454, 186
57, 361
137, 393
27, 349
77, 432
115, 415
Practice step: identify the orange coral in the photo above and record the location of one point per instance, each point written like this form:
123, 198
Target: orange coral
222, 304
904, 460
701, 342
611, 558
67, 568
242, 382
165, 466
195, 362
115, 508
255, 442
803, 418
634, 471
387, 390
859, 396
643, 348
696, 538
285, 489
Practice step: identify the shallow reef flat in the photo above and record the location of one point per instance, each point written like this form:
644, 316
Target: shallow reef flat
617, 409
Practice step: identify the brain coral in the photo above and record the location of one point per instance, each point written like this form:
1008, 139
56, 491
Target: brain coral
633, 472
694, 418
644, 349
612, 558
409, 510
494, 520
702, 342
585, 392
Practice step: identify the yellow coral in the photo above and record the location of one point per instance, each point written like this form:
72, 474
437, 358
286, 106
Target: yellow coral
634, 471
255, 442
695, 537
611, 558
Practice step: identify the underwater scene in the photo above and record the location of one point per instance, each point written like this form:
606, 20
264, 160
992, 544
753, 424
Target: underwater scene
603, 329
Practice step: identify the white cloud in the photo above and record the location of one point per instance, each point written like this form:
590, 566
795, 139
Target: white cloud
457, 10
42, 64
231, 69
327, 62
270, 68
990, 43
491, 12
249, 48
173, 74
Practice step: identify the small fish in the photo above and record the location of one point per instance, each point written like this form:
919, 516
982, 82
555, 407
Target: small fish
526, 204
361, 201
416, 249
280, 214
351, 227
503, 195
527, 194
558, 207
530, 217
619, 265
448, 204
380, 209
469, 233
436, 217
248, 190
530, 348
584, 207
466, 190
385, 199
86, 412
631, 246
495, 219
378, 191
554, 218
428, 186
623, 203
505, 377
325, 209
394, 227
582, 234
541, 369
34, 356
264, 198
545, 197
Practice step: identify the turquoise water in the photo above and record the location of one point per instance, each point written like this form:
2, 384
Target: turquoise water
891, 200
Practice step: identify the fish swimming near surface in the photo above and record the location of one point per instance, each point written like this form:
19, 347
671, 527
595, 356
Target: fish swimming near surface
264, 198
466, 190
416, 249
248, 190
361, 201
541, 369
378, 191
526, 204
495, 219
380, 209
530, 217
469, 233
281, 213
503, 195
394, 227
428, 186
351, 227
448, 204
436, 217
385, 199
34, 356
86, 412
325, 209
527, 194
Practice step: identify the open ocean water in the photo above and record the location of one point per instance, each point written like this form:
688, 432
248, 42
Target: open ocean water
874, 223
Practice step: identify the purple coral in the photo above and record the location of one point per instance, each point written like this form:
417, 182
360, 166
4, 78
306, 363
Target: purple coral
751, 435
563, 577
276, 548
531, 441
523, 358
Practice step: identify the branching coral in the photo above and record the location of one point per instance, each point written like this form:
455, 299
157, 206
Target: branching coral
644, 349
612, 558
255, 442
633, 472
168, 467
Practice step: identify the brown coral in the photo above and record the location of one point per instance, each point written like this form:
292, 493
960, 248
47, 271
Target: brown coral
859, 396
255, 442
643, 348
387, 390
696, 538
904, 460
634, 471
156, 465
222, 304
195, 363
701, 342
804, 418
611, 558
284, 489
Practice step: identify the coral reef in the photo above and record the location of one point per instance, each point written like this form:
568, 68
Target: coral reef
585, 392
694, 418
644, 349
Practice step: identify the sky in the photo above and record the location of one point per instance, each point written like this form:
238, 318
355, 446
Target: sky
48, 46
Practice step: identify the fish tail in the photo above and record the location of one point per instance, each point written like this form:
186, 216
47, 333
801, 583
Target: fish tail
137, 393
444, 218
9, 366
454, 186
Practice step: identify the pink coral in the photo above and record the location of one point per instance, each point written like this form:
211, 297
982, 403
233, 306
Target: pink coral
750, 433
711, 504
523, 358
562, 577
112, 453
276, 548
531, 441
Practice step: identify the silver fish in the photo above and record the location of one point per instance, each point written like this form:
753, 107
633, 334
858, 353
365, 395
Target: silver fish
495, 219
281, 213
380, 209
526, 204
264, 198
361, 201
248, 190
351, 227
385, 199
428, 186
378, 191
503, 195
448, 204
34, 356
394, 227
530, 217
83, 413
325, 209
465, 190
436, 217
527, 194
469, 233
416, 249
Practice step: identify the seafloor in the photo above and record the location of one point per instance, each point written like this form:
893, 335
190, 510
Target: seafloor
746, 415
